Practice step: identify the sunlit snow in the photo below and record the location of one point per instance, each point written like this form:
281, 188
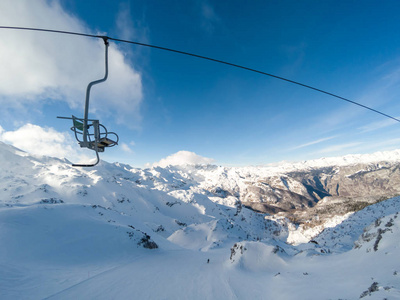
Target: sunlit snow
116, 232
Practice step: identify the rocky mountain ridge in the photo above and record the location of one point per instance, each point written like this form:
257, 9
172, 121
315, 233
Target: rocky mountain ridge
317, 190
284, 198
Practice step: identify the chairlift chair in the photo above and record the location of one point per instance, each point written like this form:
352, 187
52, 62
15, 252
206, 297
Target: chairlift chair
89, 132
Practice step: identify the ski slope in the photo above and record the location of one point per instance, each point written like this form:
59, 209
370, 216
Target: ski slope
115, 232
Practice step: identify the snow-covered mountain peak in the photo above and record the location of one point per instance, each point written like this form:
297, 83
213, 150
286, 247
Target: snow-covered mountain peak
347, 160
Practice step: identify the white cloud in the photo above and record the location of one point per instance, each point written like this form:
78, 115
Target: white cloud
384, 145
377, 125
208, 12
183, 158
313, 143
43, 141
38, 66
124, 21
209, 18
126, 148
337, 148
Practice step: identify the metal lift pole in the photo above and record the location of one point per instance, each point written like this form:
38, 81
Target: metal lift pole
85, 125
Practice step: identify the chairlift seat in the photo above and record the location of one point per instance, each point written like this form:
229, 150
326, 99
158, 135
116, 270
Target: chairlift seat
106, 142
97, 137
102, 144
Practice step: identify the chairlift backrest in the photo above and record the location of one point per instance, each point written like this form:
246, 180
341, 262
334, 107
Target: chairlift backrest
77, 124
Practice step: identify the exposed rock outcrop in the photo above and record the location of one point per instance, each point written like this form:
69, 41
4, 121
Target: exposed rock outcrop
315, 194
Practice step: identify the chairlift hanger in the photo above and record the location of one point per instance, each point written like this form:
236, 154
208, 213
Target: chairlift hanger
89, 132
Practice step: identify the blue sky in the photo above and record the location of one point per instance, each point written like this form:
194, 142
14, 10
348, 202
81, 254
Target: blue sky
161, 103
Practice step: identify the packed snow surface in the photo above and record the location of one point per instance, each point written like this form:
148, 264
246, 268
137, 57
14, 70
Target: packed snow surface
116, 232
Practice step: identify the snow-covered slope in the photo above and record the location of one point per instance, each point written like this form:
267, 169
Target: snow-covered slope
176, 233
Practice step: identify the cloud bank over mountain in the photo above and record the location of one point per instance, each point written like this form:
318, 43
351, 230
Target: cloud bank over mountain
182, 158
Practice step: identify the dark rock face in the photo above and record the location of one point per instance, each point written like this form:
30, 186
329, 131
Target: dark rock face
274, 199
298, 194
361, 180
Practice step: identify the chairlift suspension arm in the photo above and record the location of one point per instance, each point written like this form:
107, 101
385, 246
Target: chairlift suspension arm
98, 140
85, 125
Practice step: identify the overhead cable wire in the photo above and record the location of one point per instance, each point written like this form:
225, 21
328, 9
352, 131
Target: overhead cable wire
205, 58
